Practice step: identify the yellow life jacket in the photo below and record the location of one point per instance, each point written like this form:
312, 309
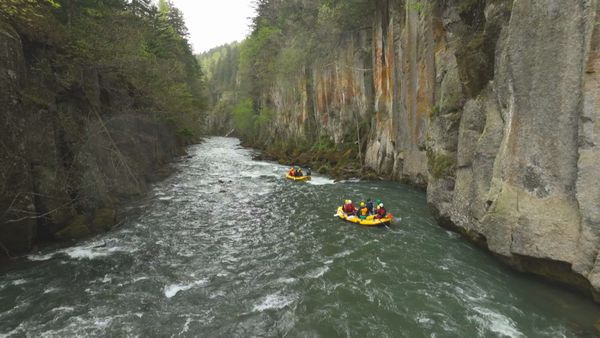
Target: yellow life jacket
364, 211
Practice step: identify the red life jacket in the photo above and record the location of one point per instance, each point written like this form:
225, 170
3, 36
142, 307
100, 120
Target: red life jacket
381, 213
349, 208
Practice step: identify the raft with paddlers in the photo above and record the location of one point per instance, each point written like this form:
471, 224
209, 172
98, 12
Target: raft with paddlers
296, 174
370, 221
368, 214
298, 178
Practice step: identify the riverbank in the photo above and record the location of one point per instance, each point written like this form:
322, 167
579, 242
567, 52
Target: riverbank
339, 162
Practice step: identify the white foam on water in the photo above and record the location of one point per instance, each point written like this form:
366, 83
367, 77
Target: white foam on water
382, 263
275, 301
318, 272
40, 258
318, 180
173, 289
424, 320
90, 251
488, 320
103, 322
139, 279
19, 282
186, 326
474, 295
50, 290
63, 309
217, 294
18, 329
352, 180
343, 254
286, 280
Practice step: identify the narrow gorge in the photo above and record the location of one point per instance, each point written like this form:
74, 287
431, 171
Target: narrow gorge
492, 106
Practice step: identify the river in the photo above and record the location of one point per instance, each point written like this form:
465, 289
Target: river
227, 247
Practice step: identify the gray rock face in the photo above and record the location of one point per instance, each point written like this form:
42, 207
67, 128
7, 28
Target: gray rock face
588, 184
493, 105
15, 179
68, 154
524, 183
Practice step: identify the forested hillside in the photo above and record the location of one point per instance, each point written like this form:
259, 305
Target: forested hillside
221, 66
292, 42
97, 95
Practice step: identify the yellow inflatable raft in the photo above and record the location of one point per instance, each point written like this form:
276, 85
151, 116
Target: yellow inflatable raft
298, 178
370, 221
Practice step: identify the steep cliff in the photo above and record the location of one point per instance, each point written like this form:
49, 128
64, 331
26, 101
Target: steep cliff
491, 105
79, 134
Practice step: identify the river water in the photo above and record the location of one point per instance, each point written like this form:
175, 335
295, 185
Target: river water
226, 247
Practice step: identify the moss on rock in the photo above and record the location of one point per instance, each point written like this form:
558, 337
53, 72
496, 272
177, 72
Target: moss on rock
78, 228
440, 165
104, 219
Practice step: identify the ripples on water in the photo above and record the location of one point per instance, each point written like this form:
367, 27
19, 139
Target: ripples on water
228, 247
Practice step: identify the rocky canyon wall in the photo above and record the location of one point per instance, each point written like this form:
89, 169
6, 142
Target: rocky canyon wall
492, 105
68, 153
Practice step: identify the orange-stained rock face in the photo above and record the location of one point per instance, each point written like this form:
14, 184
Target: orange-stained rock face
491, 105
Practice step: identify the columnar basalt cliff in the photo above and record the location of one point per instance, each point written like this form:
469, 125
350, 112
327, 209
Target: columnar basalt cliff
491, 105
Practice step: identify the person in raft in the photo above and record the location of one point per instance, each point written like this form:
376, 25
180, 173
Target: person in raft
380, 212
349, 208
370, 206
299, 172
292, 172
363, 211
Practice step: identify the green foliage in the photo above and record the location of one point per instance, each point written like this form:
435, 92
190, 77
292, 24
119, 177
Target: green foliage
324, 144
130, 42
265, 117
257, 65
221, 66
416, 5
244, 117
287, 38
440, 165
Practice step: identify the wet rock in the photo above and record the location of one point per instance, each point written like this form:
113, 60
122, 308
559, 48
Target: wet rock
78, 228
104, 219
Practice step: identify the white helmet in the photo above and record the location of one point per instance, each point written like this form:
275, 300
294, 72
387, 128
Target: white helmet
349, 202
381, 205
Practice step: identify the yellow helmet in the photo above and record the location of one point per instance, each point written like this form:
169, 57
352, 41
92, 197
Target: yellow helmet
362, 204
349, 202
